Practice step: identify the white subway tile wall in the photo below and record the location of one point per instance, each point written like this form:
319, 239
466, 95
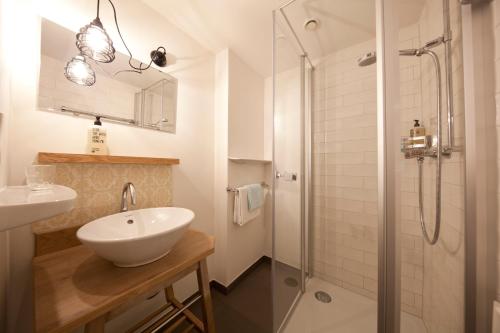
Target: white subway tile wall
345, 177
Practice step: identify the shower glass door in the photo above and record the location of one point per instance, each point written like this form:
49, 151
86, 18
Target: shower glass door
326, 214
288, 241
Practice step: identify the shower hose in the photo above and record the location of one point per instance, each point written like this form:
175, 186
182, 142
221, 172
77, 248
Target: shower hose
420, 160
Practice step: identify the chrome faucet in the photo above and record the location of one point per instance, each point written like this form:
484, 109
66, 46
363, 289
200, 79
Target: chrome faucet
128, 187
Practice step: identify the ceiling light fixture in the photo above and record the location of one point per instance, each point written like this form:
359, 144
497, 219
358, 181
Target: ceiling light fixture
93, 41
77, 70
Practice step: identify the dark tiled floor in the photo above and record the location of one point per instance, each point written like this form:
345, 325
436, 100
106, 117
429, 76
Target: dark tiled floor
248, 307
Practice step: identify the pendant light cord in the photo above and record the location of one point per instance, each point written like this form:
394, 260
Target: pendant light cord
98, 2
135, 69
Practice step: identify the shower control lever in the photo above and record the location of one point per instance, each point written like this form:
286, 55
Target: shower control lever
286, 176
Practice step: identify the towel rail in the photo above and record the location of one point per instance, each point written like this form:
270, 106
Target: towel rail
235, 189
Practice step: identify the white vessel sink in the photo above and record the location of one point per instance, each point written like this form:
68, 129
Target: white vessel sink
136, 237
19, 205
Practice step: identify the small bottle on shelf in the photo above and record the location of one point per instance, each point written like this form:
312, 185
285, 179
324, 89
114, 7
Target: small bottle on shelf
417, 129
96, 138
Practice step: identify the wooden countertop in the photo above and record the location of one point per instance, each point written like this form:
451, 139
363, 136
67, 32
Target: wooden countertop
74, 286
44, 157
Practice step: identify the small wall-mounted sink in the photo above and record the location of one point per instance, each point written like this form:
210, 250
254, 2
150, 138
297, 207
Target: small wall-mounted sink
19, 205
136, 237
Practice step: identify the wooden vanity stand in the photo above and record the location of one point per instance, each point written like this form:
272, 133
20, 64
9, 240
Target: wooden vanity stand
74, 287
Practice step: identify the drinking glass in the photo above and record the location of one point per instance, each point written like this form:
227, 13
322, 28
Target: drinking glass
40, 177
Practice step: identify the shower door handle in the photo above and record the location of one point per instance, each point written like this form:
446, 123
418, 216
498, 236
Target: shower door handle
287, 176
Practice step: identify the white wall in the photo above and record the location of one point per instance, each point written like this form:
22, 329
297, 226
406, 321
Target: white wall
246, 110
221, 119
5, 100
240, 133
5, 105
246, 140
268, 155
245, 244
268, 118
31, 131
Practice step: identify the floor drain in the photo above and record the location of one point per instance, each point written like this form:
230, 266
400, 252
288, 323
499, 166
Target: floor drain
291, 282
323, 297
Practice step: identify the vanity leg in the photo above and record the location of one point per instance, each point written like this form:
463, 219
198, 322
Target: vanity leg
204, 287
96, 325
169, 294
170, 297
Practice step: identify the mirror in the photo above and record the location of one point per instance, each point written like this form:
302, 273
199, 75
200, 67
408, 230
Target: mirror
147, 100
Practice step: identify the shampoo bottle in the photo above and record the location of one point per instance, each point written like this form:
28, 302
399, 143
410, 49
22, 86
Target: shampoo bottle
417, 129
96, 138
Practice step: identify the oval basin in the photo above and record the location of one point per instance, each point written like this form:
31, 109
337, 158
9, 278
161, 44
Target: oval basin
136, 237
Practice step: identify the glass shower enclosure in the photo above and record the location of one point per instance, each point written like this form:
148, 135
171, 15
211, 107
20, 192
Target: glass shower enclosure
292, 72
368, 208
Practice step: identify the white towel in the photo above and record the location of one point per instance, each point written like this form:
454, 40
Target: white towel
241, 213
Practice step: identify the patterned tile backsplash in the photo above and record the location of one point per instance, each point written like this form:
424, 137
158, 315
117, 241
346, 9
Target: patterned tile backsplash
99, 188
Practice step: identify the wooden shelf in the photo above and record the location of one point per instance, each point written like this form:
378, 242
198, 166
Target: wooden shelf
248, 161
44, 157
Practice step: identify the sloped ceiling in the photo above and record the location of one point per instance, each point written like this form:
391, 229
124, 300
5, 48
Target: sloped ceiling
246, 26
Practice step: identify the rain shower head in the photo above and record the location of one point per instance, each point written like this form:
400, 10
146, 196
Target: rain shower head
367, 59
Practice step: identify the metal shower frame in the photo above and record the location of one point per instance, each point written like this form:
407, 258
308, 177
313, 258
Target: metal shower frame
305, 172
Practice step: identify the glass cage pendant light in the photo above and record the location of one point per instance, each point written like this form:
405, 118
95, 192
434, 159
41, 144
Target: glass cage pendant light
77, 70
93, 41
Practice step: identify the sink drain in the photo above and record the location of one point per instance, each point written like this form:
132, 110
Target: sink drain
323, 297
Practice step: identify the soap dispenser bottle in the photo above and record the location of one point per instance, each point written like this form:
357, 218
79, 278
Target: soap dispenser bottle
96, 138
417, 129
